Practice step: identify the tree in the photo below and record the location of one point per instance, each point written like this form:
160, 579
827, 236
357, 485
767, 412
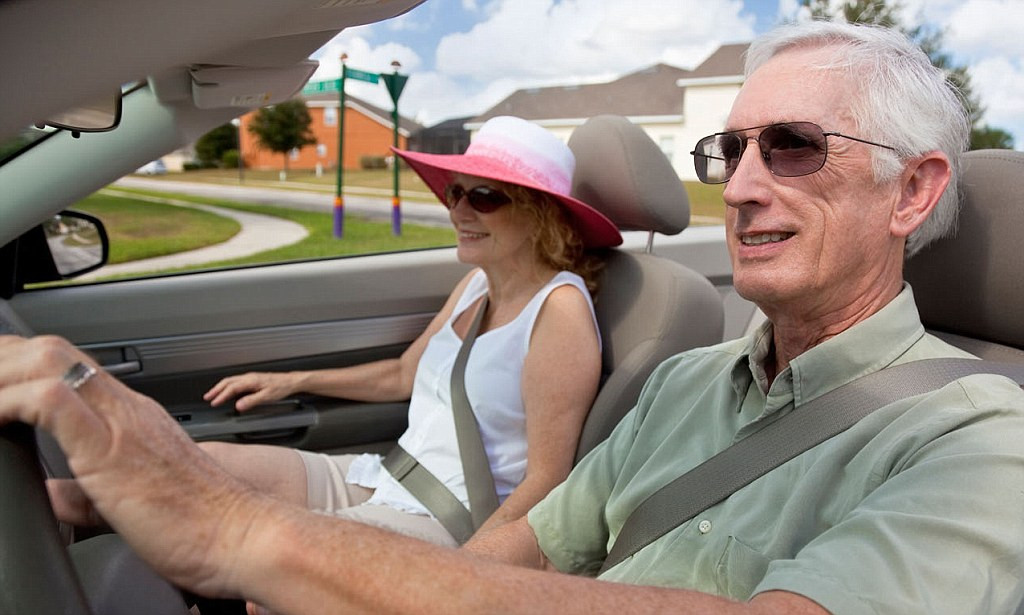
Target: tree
283, 127
211, 147
883, 13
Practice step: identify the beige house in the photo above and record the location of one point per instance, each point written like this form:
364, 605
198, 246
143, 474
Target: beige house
675, 106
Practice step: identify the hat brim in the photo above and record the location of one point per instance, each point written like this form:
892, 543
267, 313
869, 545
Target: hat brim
438, 170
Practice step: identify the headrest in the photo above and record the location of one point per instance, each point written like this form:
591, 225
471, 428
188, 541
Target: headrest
623, 174
973, 284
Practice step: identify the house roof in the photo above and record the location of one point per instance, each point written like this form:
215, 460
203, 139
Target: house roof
726, 61
652, 91
405, 125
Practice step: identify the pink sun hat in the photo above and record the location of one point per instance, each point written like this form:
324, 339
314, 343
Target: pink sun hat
515, 151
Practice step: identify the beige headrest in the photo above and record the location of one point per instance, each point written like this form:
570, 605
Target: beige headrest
622, 173
973, 284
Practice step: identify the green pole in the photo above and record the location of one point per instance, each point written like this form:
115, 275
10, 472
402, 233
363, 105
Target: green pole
339, 200
396, 204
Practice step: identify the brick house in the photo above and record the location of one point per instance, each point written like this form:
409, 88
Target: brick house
675, 106
368, 133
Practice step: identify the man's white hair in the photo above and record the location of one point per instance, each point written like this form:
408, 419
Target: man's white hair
902, 100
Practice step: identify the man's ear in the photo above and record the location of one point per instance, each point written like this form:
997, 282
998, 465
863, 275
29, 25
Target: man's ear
923, 182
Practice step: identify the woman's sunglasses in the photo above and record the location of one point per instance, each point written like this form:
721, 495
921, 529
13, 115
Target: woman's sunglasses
789, 149
483, 199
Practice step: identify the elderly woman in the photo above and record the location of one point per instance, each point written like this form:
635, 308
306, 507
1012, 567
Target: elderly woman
533, 371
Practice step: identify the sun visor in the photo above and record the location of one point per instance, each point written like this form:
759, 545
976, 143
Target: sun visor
214, 87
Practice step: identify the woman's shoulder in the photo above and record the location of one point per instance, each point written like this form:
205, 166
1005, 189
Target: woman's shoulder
566, 278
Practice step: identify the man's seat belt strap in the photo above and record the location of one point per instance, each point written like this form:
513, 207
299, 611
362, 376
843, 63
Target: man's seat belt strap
805, 427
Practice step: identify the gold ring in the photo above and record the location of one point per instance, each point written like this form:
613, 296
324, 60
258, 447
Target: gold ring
78, 374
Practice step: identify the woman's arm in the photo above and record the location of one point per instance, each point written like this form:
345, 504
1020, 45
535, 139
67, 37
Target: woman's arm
386, 380
560, 378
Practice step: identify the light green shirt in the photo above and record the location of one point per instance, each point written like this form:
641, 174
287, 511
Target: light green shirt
915, 511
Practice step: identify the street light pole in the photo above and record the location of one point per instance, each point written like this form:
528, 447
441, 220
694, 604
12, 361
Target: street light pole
339, 200
237, 123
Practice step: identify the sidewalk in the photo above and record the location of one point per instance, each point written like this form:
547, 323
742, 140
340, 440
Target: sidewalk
259, 233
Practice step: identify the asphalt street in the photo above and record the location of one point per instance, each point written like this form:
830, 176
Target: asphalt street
370, 206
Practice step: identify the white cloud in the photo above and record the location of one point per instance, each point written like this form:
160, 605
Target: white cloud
532, 43
999, 81
985, 35
576, 40
983, 27
493, 47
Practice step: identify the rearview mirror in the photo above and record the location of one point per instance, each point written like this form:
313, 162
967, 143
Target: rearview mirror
97, 116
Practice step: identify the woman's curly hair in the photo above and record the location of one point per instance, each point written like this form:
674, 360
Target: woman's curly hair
557, 243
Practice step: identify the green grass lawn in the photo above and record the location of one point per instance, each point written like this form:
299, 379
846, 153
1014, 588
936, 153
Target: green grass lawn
361, 236
142, 229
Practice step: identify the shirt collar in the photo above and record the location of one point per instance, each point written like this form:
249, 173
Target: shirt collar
866, 347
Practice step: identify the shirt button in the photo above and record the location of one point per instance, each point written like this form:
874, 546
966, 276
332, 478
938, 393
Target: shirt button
704, 526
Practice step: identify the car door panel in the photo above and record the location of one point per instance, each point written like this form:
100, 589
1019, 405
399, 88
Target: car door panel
175, 336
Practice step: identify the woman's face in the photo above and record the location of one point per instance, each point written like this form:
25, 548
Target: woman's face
498, 239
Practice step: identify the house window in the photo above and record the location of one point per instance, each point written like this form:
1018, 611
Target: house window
321, 150
667, 143
330, 116
294, 154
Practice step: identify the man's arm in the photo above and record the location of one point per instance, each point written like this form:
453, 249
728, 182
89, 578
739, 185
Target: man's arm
513, 543
304, 561
206, 531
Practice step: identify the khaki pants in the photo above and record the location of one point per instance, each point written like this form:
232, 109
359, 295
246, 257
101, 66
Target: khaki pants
329, 494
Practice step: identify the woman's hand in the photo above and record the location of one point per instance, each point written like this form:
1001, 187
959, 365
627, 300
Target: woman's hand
253, 388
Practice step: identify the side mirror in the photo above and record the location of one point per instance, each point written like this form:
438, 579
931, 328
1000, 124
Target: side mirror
67, 245
78, 243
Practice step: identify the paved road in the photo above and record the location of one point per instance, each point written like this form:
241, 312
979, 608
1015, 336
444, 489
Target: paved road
373, 207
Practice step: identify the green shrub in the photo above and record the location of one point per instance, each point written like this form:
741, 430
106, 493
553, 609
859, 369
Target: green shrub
373, 162
230, 159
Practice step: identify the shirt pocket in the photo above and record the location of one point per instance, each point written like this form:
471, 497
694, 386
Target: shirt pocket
740, 569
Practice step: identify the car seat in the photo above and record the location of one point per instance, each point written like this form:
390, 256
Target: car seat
648, 307
969, 287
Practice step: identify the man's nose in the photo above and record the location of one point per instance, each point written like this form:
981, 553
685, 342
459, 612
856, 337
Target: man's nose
749, 176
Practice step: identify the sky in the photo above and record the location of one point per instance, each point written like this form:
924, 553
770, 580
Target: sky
464, 56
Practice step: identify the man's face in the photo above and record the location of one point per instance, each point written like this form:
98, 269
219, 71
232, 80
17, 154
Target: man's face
814, 245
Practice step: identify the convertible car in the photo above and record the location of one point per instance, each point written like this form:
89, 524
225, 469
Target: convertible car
114, 85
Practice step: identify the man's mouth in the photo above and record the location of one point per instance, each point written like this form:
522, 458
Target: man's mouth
763, 238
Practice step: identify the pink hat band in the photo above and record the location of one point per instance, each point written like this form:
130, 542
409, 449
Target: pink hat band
512, 150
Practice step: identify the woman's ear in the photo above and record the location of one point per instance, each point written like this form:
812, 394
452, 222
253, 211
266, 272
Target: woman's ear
923, 182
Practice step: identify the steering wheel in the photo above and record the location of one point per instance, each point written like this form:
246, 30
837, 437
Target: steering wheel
41, 575
37, 572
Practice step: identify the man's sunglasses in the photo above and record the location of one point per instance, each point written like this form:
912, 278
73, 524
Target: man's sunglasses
789, 149
483, 199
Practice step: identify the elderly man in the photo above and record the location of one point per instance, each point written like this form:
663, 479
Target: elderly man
837, 154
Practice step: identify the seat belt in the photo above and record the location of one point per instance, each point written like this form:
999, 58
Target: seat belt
802, 429
427, 488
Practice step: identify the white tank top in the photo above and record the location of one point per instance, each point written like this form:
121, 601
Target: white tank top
493, 384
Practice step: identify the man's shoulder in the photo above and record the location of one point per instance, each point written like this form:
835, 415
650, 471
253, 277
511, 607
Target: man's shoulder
701, 364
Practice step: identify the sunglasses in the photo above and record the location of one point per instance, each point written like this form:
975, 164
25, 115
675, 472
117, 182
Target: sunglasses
483, 199
789, 149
